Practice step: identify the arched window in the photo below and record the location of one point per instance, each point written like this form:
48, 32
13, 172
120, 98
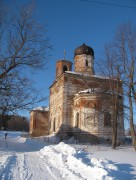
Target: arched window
107, 119
54, 125
58, 120
86, 62
77, 120
65, 68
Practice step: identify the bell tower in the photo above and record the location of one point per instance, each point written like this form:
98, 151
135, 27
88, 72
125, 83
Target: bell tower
62, 66
84, 59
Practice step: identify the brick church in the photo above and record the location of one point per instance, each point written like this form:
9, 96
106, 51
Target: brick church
80, 103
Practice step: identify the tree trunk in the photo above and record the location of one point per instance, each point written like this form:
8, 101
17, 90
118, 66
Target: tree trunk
114, 129
131, 120
115, 110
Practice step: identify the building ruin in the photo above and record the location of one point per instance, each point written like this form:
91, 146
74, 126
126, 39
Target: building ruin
80, 103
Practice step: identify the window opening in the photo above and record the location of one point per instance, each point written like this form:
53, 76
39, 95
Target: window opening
107, 119
65, 68
86, 62
77, 120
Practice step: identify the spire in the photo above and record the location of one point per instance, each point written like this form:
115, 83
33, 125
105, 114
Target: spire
64, 54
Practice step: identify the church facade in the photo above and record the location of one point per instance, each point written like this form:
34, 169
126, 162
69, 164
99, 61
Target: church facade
80, 103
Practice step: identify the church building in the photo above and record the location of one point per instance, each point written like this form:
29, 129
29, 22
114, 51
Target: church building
80, 102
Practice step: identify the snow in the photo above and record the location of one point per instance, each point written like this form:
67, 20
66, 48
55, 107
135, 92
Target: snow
41, 108
83, 74
96, 90
92, 90
25, 158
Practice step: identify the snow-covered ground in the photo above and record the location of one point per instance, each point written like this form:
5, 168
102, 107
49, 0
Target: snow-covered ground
36, 159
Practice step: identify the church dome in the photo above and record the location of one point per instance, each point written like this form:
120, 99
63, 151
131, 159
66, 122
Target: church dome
84, 49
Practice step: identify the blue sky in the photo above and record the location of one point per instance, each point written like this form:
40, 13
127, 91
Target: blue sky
72, 22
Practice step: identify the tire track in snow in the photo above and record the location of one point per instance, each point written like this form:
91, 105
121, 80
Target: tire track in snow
21, 170
6, 170
37, 164
30, 167
25, 166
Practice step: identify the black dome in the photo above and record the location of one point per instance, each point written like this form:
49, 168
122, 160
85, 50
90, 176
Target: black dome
84, 49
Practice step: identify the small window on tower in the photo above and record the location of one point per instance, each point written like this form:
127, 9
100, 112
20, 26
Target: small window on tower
86, 62
65, 68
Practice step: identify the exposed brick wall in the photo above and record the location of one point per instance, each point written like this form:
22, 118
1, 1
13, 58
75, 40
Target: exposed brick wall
60, 67
62, 94
84, 63
56, 104
39, 124
65, 103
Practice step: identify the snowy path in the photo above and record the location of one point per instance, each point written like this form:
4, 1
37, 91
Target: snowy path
22, 166
33, 165
34, 159
21, 159
25, 166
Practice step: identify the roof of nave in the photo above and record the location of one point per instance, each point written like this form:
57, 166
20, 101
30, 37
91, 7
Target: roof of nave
97, 77
89, 75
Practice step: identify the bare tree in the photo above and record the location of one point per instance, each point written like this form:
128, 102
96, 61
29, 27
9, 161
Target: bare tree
115, 86
126, 38
18, 123
123, 51
23, 46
